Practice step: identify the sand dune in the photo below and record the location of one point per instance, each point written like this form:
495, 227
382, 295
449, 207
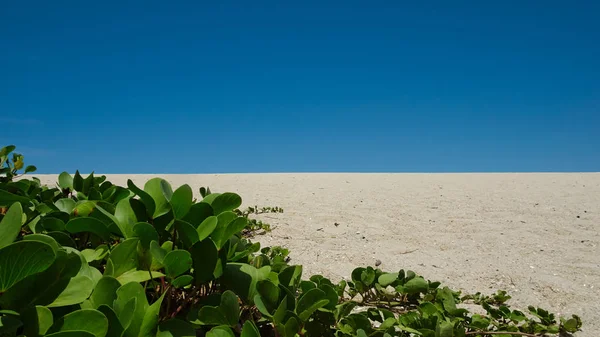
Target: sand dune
534, 235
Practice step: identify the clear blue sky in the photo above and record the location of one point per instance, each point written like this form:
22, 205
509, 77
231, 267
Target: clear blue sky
282, 86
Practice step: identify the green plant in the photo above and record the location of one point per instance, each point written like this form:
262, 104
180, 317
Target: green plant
89, 258
9, 168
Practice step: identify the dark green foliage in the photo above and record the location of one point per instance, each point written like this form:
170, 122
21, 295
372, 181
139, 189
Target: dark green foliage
89, 258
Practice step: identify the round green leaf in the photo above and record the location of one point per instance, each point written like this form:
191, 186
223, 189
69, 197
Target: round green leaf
250, 330
146, 233
207, 227
115, 329
197, 213
84, 208
205, 256
78, 290
186, 233
177, 262
153, 187
124, 256
181, 201
220, 331
386, 279
182, 281
52, 224
88, 224
105, 291
226, 202
37, 320
89, 320
43, 238
416, 285
10, 226
65, 205
65, 181
310, 302
21, 259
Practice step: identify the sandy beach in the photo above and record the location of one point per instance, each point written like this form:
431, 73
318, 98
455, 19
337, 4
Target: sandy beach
534, 235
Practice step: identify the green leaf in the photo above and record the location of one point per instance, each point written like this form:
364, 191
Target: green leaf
89, 225
7, 198
177, 262
126, 217
227, 228
290, 328
84, 208
138, 276
220, 331
97, 254
89, 320
49, 284
79, 333
479, 322
269, 294
30, 168
158, 255
386, 279
176, 328
115, 329
242, 279
37, 320
416, 285
65, 181
105, 215
444, 329
78, 182
186, 233
52, 224
105, 292
226, 202
310, 302
230, 307
153, 187
198, 213
124, 256
368, 276
150, 321
10, 226
181, 201
22, 259
62, 238
132, 315
65, 205
446, 297
206, 228
78, 290
145, 197
331, 295
6, 150
290, 277
205, 256
182, 281
250, 330
146, 233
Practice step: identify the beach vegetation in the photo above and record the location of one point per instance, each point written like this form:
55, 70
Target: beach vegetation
89, 258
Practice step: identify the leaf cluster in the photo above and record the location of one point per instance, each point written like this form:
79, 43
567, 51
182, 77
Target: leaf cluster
90, 258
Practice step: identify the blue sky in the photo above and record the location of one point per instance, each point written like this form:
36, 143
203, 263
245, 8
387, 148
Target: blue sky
317, 86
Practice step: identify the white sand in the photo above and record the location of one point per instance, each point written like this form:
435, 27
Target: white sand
534, 235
